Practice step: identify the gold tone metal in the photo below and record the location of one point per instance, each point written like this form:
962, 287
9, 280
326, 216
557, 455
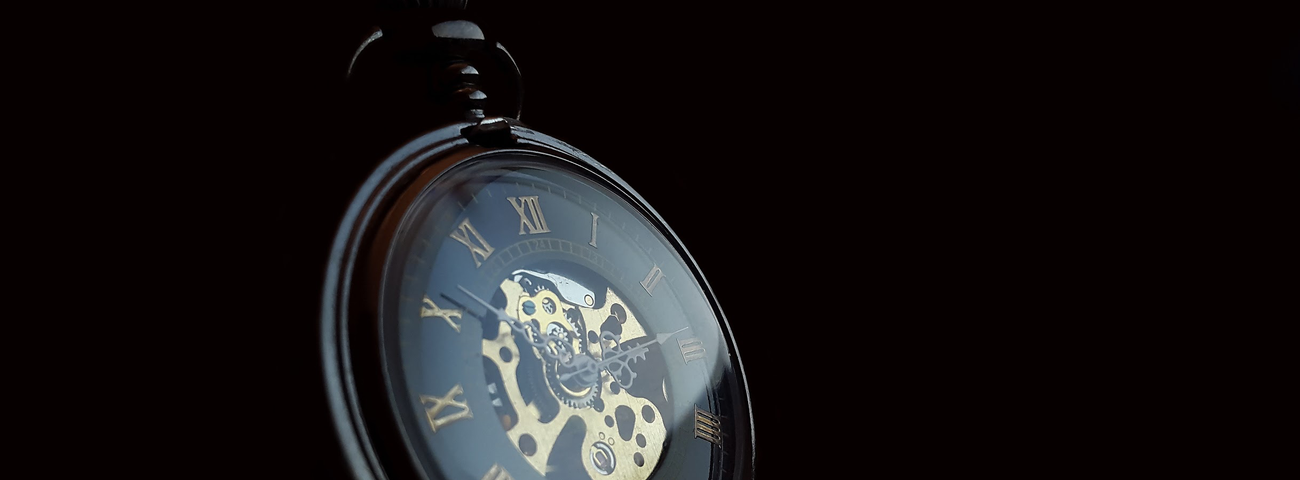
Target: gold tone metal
497, 473
463, 233
652, 280
545, 434
531, 216
692, 349
429, 309
708, 426
439, 403
594, 217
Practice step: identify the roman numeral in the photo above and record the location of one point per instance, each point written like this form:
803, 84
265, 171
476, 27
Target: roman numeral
652, 280
497, 473
594, 217
429, 309
708, 426
530, 214
479, 249
692, 349
435, 405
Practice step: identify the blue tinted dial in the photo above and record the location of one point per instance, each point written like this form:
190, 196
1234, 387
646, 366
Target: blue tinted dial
537, 323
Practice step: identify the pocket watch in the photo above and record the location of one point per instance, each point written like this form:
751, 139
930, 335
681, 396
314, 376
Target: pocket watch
500, 305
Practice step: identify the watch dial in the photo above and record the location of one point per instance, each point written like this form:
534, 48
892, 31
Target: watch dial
536, 323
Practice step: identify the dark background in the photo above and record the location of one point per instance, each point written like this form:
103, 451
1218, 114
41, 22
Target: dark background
657, 96
975, 220
914, 220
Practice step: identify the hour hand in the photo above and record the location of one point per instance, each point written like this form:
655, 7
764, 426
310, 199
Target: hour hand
535, 339
500, 314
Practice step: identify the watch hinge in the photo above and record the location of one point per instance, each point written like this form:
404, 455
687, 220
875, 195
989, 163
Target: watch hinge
491, 132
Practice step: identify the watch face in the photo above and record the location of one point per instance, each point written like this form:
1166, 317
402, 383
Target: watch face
530, 318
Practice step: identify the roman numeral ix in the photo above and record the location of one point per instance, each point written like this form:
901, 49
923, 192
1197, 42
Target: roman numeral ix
434, 405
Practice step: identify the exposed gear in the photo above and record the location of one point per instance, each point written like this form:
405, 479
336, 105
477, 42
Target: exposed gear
581, 398
581, 385
571, 393
531, 287
554, 332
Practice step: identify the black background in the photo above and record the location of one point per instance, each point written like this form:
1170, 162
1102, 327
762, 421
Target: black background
975, 218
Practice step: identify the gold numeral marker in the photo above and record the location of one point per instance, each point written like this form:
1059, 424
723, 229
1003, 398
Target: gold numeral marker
429, 309
692, 349
652, 279
497, 473
594, 217
478, 247
434, 405
708, 426
530, 214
